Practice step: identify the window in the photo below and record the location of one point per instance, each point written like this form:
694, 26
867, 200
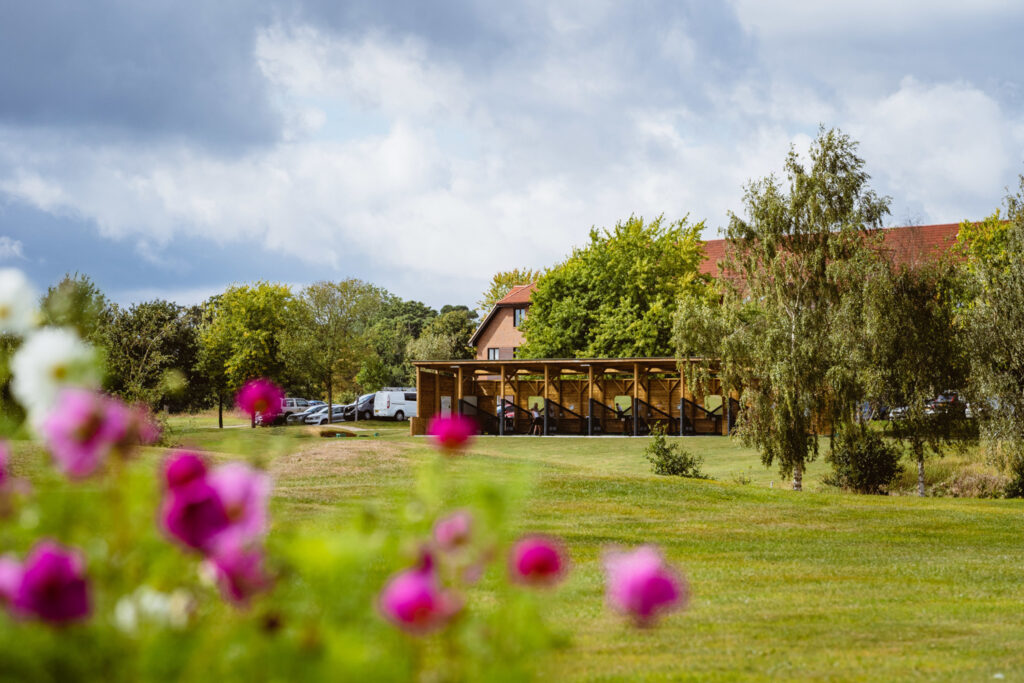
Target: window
517, 316
492, 354
410, 397
515, 352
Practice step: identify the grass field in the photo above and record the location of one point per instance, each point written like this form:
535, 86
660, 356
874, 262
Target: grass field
814, 585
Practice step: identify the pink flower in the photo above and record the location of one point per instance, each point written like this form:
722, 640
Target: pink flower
194, 514
244, 492
261, 397
452, 433
140, 430
454, 531
183, 467
81, 431
239, 568
53, 586
640, 585
11, 572
414, 600
537, 561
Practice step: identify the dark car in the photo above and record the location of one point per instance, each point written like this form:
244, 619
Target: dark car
365, 408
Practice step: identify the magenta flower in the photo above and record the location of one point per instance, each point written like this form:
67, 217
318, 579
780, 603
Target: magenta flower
183, 467
414, 600
452, 433
194, 514
641, 586
140, 429
454, 531
244, 492
11, 572
537, 561
53, 586
261, 397
81, 431
239, 568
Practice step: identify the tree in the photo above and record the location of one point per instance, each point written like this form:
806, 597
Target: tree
77, 302
240, 336
153, 350
396, 323
327, 328
993, 322
911, 351
615, 297
776, 335
502, 283
446, 337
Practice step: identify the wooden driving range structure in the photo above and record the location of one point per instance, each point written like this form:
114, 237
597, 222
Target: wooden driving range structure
573, 396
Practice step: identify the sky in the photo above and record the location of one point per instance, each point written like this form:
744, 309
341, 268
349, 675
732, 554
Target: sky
168, 149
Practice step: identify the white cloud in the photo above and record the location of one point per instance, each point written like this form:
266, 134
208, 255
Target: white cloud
11, 248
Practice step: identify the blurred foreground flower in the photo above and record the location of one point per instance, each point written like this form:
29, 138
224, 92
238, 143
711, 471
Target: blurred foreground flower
49, 360
454, 531
10, 578
452, 433
52, 586
641, 586
244, 493
18, 299
415, 601
260, 397
537, 561
238, 567
82, 429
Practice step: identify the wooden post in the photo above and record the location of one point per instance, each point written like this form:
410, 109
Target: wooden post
458, 392
437, 392
420, 407
501, 401
590, 400
547, 376
636, 396
682, 405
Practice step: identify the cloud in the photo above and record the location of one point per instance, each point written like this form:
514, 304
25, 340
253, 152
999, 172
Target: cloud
11, 249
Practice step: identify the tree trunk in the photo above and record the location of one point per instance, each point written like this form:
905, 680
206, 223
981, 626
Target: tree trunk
798, 477
920, 474
220, 410
330, 403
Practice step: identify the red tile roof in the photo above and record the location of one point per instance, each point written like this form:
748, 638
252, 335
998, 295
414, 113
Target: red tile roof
907, 245
520, 294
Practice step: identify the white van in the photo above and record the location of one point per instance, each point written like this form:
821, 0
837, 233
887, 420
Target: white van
396, 403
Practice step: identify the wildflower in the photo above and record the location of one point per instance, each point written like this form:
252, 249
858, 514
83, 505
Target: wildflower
194, 514
537, 561
452, 433
49, 360
640, 585
183, 467
454, 531
139, 428
238, 568
18, 312
260, 397
11, 572
414, 600
243, 491
53, 585
82, 430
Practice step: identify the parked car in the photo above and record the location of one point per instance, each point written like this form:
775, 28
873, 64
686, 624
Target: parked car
397, 404
320, 418
298, 418
898, 413
944, 403
316, 412
365, 408
293, 405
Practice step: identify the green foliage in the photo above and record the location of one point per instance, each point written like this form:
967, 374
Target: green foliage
77, 302
446, 337
153, 349
397, 323
992, 322
778, 334
326, 334
241, 334
502, 283
616, 296
863, 461
672, 459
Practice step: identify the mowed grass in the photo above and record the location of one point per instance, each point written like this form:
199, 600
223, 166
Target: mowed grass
812, 585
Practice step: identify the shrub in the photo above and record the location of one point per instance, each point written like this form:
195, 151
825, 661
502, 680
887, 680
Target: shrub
672, 459
863, 461
1015, 487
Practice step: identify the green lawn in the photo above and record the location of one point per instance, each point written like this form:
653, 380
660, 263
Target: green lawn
810, 585
817, 585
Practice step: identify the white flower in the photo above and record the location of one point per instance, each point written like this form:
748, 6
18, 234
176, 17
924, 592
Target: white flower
18, 312
49, 360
